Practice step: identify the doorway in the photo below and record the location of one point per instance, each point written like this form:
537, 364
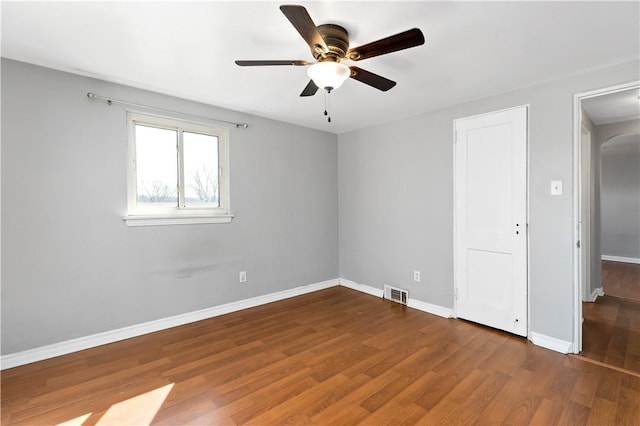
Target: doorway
596, 114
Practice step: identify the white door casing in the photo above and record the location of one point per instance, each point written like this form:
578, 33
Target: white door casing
490, 243
585, 212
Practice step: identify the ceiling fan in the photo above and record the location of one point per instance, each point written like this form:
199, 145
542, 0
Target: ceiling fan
329, 44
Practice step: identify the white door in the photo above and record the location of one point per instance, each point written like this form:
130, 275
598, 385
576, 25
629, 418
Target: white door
490, 264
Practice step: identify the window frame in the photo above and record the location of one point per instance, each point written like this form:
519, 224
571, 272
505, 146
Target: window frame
180, 214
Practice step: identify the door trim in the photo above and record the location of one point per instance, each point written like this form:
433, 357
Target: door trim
586, 202
454, 313
578, 233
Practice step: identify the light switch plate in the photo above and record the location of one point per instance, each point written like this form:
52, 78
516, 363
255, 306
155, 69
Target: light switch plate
556, 187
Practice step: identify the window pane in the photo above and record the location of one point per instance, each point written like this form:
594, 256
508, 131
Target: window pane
156, 166
200, 170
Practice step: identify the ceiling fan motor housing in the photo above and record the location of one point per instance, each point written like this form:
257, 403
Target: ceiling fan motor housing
336, 38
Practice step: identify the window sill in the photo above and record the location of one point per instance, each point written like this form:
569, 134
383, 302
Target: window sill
158, 220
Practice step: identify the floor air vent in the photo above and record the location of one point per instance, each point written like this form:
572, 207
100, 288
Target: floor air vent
396, 294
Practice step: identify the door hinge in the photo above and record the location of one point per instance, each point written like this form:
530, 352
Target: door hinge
578, 243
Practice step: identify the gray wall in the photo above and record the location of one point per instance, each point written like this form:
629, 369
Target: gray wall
70, 265
396, 204
620, 188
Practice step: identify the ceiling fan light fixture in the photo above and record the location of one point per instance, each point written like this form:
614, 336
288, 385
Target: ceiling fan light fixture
328, 75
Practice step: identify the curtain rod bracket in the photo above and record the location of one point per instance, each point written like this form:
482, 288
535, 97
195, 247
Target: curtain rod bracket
110, 101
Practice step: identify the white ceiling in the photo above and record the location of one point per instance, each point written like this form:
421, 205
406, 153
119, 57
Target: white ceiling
187, 49
613, 107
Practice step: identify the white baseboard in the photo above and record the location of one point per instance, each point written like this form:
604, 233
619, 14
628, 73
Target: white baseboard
430, 308
549, 342
412, 303
621, 259
374, 291
81, 343
595, 294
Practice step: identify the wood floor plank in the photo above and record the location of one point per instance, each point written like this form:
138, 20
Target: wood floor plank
586, 385
466, 401
574, 414
602, 412
257, 380
621, 279
628, 408
564, 383
523, 409
611, 332
395, 414
335, 356
500, 406
548, 413
348, 409
306, 404
609, 387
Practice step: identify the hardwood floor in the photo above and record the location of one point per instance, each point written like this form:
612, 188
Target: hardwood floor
335, 356
611, 332
621, 279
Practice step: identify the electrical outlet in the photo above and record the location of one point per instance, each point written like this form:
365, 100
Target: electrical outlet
243, 276
416, 276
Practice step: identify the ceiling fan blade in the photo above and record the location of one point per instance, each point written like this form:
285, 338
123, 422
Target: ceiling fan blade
310, 90
268, 62
404, 40
373, 80
300, 19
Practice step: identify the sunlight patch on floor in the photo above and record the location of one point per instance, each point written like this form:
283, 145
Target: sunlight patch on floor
139, 410
75, 422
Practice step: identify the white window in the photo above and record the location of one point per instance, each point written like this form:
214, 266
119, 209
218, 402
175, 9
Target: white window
178, 172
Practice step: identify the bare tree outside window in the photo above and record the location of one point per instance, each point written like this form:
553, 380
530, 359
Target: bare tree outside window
205, 184
201, 169
155, 192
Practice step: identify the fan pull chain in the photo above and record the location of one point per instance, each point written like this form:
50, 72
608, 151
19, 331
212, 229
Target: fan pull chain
327, 104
